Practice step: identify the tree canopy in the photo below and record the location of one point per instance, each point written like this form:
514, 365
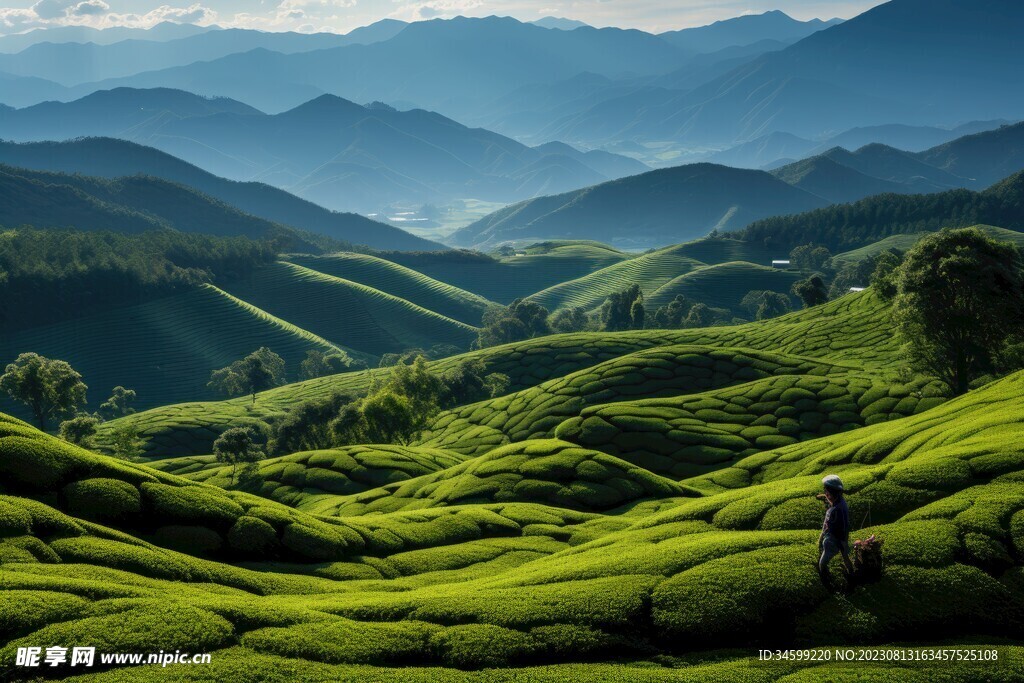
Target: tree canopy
50, 388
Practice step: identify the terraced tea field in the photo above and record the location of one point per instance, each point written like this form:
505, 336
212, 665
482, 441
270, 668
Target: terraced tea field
549, 560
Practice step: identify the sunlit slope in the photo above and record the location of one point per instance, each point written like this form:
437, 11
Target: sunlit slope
302, 478
164, 349
852, 330
542, 471
349, 313
503, 280
905, 241
724, 285
492, 584
401, 282
650, 271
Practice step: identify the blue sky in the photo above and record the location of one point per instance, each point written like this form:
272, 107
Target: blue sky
344, 15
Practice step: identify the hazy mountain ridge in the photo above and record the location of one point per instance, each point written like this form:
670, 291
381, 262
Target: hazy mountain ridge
111, 158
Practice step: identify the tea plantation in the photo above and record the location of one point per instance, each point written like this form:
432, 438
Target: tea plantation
637, 506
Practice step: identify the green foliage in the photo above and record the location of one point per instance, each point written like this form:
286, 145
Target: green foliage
55, 274
260, 370
960, 296
762, 304
521, 320
307, 426
811, 257
320, 364
812, 291
236, 447
125, 442
49, 388
101, 499
623, 310
119, 404
672, 315
574, 319
79, 430
847, 226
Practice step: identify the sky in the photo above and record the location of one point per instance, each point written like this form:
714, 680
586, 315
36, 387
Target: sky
341, 16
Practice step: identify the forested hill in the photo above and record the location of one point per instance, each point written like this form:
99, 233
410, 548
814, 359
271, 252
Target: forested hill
848, 226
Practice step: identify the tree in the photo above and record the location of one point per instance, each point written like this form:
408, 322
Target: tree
497, 384
811, 291
566, 320
79, 430
519, 321
50, 388
700, 315
260, 370
321, 364
397, 408
236, 446
883, 276
673, 315
119, 404
307, 427
126, 442
621, 312
762, 304
959, 300
811, 257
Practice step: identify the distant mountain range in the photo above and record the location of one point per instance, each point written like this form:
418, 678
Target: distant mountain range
682, 203
73, 63
896, 62
746, 30
777, 149
653, 209
331, 151
111, 159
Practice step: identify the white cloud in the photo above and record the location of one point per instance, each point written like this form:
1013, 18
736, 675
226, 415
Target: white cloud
89, 8
431, 9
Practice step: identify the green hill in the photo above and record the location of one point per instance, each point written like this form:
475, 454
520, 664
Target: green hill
503, 280
849, 226
301, 479
165, 348
855, 327
129, 558
647, 210
724, 285
401, 282
348, 313
132, 204
112, 159
649, 270
905, 241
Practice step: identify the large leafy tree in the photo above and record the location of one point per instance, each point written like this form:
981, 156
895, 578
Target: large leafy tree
50, 388
320, 364
623, 310
260, 370
959, 299
79, 430
762, 304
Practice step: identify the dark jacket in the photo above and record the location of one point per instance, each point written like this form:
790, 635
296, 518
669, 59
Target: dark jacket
837, 521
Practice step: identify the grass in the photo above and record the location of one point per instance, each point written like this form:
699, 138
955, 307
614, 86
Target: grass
401, 282
724, 285
348, 313
165, 348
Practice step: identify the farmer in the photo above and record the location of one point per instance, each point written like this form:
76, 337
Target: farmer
835, 532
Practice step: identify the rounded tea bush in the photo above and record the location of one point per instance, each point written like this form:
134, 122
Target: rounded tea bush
193, 540
102, 499
251, 535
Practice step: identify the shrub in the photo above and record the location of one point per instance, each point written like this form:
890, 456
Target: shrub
194, 540
102, 499
252, 535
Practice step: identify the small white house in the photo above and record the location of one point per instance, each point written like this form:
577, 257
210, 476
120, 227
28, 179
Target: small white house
857, 289
781, 264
